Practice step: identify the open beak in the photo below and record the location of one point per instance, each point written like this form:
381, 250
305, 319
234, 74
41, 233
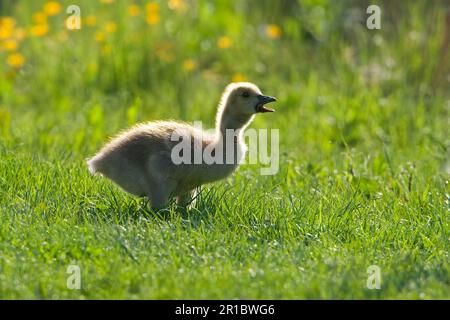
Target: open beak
262, 100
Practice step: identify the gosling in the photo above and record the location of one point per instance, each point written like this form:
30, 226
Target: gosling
142, 161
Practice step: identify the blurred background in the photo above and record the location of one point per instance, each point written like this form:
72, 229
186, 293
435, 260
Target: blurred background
339, 84
364, 173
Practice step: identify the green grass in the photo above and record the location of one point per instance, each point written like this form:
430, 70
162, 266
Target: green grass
364, 169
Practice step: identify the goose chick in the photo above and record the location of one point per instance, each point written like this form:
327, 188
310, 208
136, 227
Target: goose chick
141, 159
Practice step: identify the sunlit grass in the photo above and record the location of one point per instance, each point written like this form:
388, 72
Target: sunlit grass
364, 170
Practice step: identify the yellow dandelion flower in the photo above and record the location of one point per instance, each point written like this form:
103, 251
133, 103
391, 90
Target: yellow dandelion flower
111, 27
189, 64
224, 42
7, 23
15, 60
39, 30
134, 10
10, 45
152, 19
5, 33
91, 21
177, 5
39, 18
152, 13
273, 31
238, 78
99, 36
52, 8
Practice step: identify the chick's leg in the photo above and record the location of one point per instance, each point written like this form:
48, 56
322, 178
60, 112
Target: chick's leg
159, 193
184, 199
188, 198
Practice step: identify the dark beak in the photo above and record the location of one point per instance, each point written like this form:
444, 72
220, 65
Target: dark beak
262, 100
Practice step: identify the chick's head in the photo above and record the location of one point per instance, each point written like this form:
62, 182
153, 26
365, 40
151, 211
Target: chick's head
244, 98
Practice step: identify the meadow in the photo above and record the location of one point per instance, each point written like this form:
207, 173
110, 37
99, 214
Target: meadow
364, 149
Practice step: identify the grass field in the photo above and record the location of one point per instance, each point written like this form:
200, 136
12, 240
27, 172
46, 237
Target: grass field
364, 149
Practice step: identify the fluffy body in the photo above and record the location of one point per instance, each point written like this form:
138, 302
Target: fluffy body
139, 160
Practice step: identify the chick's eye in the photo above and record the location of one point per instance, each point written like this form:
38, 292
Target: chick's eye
245, 94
